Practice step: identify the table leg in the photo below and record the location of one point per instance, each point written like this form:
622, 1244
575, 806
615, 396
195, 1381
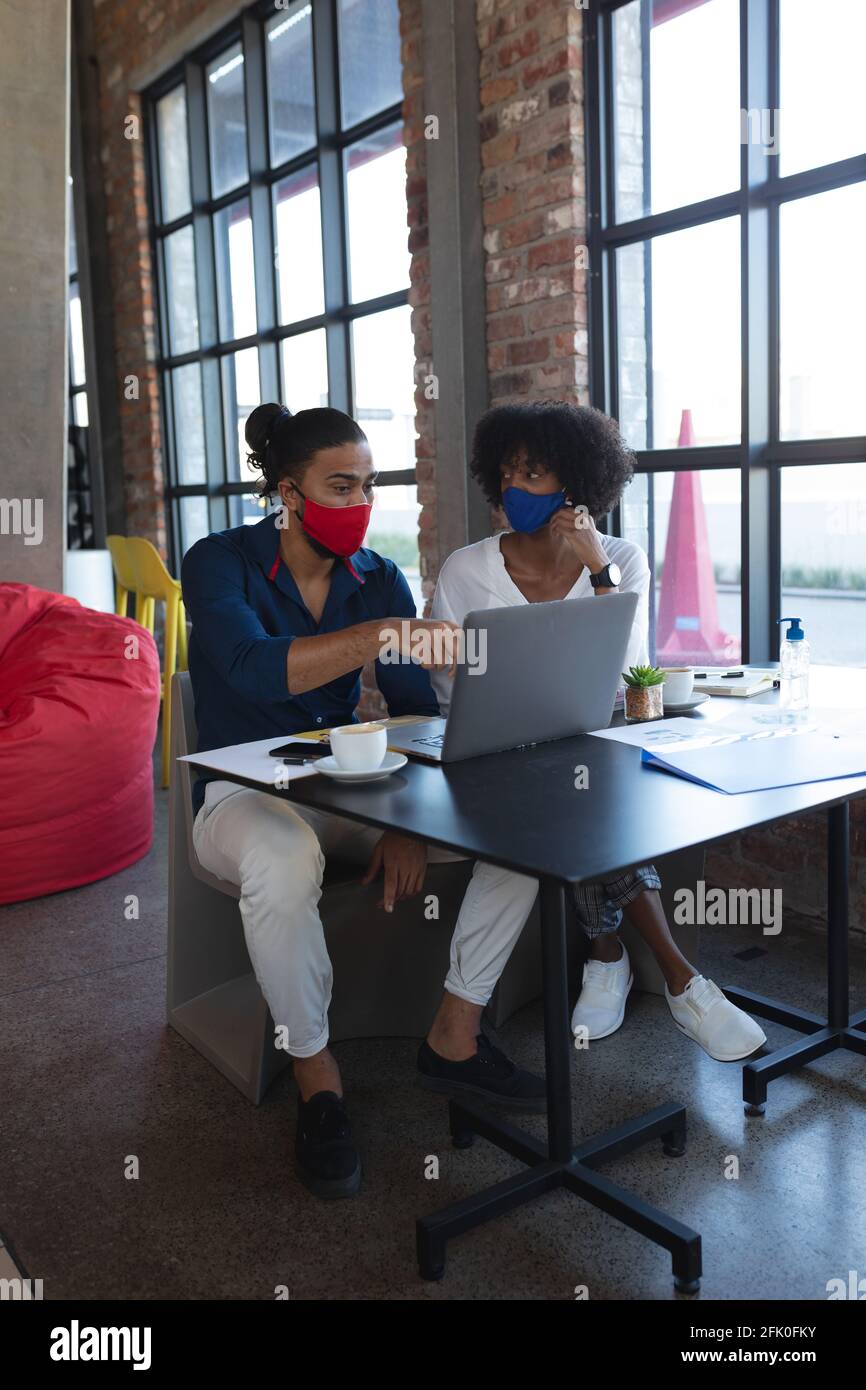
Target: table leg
558, 1164
822, 1035
838, 866
557, 1023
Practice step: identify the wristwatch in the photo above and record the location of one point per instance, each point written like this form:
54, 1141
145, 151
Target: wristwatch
608, 578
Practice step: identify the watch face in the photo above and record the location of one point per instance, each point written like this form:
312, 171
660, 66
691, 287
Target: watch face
615, 574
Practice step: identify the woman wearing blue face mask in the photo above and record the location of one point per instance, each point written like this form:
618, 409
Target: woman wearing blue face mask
555, 469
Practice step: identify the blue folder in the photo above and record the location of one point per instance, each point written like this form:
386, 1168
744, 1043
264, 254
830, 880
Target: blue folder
753, 764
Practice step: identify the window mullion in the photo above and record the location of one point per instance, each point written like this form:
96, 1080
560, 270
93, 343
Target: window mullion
261, 207
206, 295
332, 189
758, 513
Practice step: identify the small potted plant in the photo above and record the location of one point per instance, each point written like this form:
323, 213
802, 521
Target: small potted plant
643, 693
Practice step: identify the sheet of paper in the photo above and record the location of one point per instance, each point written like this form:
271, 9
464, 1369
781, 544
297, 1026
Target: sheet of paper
759, 719
727, 724
252, 760
664, 733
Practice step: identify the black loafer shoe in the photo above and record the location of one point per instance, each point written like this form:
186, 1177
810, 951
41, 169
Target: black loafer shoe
489, 1075
328, 1162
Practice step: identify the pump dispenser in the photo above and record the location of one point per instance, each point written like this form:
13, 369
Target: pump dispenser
794, 667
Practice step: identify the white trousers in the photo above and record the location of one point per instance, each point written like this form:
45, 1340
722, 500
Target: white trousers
275, 853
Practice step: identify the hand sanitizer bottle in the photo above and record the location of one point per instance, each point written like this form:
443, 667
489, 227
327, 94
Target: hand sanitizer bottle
794, 667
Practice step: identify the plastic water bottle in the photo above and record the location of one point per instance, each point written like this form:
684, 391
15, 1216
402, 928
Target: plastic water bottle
794, 667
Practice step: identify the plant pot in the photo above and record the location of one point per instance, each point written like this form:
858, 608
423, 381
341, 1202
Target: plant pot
642, 703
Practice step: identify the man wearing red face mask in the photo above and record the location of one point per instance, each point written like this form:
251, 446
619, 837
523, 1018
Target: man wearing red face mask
285, 613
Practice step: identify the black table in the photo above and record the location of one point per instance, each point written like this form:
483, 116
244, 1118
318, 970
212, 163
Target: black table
521, 810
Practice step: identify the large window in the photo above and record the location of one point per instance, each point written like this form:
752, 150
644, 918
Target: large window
727, 162
278, 189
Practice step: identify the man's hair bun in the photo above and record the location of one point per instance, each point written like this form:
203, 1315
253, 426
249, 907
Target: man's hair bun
262, 424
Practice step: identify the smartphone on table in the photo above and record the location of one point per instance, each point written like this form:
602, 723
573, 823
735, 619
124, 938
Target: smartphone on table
296, 754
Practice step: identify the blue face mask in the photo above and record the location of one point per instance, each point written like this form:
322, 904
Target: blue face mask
529, 511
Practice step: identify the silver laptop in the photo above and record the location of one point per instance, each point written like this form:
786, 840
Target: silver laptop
541, 671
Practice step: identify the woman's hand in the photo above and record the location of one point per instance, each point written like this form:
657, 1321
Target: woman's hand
405, 865
575, 526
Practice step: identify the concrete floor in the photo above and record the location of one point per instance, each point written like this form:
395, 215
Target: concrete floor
91, 1076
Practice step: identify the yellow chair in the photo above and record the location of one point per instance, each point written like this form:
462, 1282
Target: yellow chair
125, 577
139, 569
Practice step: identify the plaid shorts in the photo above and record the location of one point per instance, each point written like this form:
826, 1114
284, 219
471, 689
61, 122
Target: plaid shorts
599, 905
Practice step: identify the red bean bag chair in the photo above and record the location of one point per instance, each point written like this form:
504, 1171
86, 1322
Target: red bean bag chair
77, 728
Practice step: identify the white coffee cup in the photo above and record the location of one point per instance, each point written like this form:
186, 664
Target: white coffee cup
359, 747
679, 684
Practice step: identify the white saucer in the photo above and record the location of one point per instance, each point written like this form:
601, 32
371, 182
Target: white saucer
685, 705
392, 762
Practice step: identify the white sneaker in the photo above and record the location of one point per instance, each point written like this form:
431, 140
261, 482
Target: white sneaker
725, 1032
600, 1008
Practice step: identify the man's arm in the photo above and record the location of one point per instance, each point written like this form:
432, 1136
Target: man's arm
314, 661
250, 660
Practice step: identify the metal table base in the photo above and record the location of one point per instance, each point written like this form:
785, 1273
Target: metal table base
822, 1035
561, 1163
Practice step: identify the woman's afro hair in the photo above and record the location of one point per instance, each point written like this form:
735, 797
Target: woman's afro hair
580, 445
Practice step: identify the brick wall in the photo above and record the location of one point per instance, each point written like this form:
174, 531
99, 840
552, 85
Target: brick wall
534, 198
125, 36
534, 208
793, 856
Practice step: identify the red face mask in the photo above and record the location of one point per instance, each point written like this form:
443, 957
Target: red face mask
339, 529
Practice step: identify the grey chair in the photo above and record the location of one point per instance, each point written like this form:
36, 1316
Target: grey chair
388, 969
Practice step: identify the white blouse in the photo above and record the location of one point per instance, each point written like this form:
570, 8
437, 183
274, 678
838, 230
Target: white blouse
475, 578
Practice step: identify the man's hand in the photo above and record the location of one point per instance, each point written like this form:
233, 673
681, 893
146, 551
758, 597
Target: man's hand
315, 661
576, 526
405, 864
433, 642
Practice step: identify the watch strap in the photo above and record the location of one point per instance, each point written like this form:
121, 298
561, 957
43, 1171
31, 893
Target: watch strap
603, 579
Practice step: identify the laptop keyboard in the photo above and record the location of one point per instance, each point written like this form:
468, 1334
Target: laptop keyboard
434, 740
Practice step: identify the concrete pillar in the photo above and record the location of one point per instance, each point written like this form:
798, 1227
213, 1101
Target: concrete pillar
456, 264
34, 142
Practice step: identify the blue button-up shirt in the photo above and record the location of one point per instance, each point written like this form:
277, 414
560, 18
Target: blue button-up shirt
246, 611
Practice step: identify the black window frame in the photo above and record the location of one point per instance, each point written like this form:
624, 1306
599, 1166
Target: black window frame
761, 454
332, 141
